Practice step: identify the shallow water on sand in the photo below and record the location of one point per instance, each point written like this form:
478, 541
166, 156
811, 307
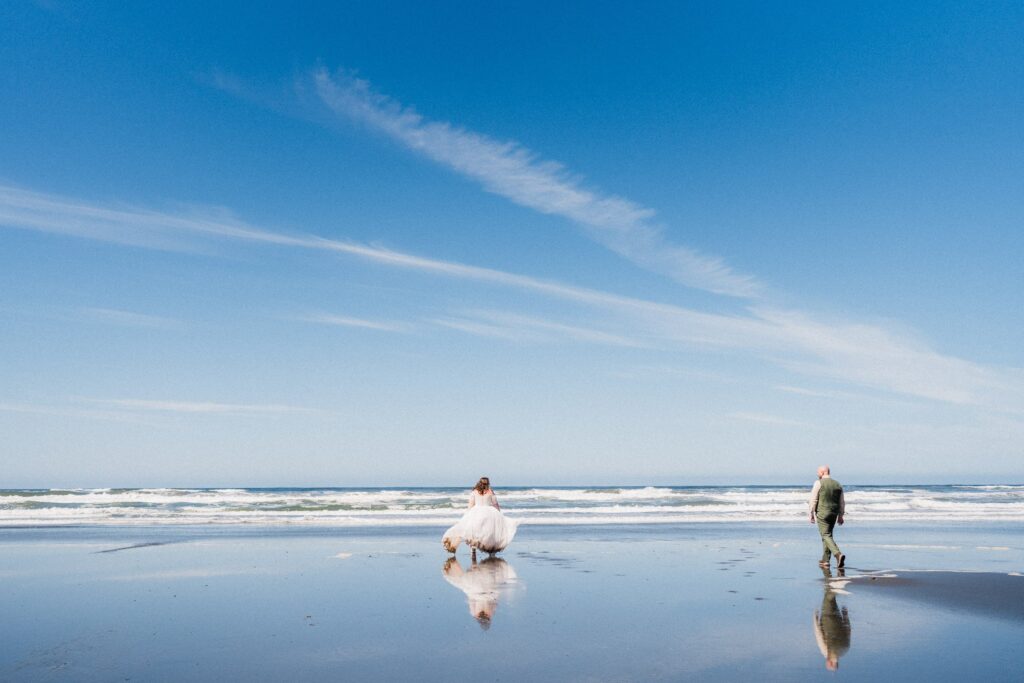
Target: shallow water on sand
708, 602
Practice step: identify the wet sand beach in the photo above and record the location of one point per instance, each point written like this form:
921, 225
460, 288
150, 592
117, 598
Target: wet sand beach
993, 594
695, 602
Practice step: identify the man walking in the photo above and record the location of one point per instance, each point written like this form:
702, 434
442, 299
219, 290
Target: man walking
827, 507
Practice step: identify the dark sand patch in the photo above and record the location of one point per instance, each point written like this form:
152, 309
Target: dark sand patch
989, 593
133, 546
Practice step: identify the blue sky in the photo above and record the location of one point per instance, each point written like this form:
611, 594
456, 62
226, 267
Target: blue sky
408, 244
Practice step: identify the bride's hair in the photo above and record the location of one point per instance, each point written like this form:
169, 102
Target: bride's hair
483, 484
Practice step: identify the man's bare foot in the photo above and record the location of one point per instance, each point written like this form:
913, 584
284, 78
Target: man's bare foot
823, 563
840, 560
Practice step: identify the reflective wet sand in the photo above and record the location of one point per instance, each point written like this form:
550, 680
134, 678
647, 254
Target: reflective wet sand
704, 602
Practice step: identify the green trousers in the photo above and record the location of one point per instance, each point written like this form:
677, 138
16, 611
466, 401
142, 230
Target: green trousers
826, 523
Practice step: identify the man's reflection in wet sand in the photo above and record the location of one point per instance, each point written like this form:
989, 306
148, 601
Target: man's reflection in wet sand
831, 625
483, 583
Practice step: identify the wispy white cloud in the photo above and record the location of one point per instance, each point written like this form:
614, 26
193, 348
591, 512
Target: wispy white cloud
510, 170
872, 356
348, 321
525, 328
482, 329
767, 419
20, 208
25, 209
859, 354
131, 318
671, 372
145, 412
201, 407
849, 396
72, 412
816, 393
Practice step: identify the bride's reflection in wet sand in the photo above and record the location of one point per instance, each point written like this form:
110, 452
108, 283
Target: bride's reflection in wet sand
832, 624
484, 583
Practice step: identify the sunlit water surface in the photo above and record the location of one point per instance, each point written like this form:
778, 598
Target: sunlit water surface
618, 603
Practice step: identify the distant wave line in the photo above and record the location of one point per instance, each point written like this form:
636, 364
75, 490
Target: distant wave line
367, 507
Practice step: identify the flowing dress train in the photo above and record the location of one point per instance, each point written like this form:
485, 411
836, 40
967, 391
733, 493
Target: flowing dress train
483, 527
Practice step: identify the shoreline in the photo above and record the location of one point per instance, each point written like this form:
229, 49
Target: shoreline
853, 525
532, 506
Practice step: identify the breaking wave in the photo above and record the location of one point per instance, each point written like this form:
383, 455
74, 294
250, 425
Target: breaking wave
531, 505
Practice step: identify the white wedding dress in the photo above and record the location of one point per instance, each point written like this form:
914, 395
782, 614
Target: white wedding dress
483, 527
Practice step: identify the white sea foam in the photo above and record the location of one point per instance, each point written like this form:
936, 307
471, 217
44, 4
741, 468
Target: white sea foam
441, 506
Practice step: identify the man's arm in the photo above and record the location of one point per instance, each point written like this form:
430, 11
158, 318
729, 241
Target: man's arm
819, 635
842, 506
812, 502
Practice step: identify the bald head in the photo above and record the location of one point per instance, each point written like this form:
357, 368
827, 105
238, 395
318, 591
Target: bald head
822, 471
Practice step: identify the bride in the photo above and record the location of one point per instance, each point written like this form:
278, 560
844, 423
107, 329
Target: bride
483, 526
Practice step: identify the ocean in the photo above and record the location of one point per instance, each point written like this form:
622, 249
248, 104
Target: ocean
440, 506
